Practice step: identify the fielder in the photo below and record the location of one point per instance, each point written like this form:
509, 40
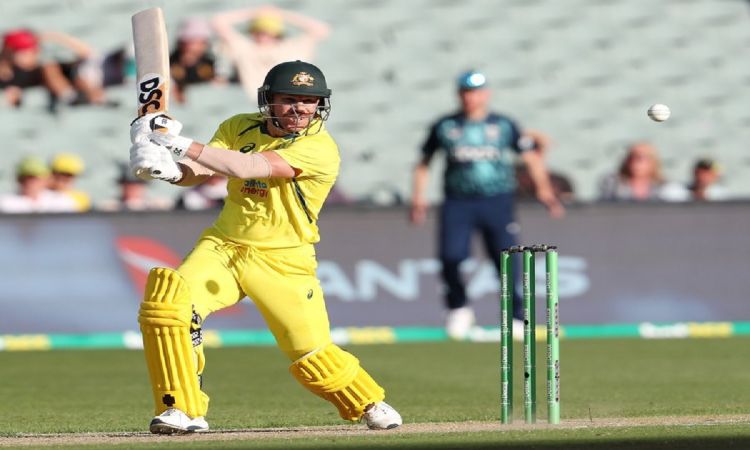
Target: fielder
281, 164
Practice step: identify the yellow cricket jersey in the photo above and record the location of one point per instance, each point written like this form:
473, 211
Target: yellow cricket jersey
276, 212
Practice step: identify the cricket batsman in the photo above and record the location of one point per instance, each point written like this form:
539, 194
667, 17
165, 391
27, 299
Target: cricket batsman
281, 164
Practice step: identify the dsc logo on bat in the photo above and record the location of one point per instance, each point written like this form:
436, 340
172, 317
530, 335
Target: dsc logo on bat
150, 93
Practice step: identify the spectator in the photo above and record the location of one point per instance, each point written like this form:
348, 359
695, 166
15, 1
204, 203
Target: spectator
478, 185
526, 188
66, 168
704, 185
73, 68
268, 43
192, 62
33, 196
208, 195
115, 68
640, 178
22, 67
133, 195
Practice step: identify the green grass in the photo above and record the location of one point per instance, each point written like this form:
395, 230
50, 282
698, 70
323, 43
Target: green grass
107, 391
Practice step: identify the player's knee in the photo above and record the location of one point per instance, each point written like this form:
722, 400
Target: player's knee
166, 300
166, 285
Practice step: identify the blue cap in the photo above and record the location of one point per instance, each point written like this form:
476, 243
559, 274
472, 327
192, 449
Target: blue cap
471, 80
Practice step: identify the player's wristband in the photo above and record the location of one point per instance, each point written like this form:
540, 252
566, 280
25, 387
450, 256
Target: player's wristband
179, 146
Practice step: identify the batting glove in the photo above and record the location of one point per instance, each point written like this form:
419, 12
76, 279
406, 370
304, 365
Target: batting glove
151, 161
141, 127
177, 145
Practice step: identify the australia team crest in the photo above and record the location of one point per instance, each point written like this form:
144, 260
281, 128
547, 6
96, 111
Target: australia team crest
303, 79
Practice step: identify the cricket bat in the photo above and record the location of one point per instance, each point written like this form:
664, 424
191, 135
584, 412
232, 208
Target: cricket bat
151, 60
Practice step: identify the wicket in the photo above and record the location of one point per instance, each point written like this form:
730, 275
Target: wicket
529, 334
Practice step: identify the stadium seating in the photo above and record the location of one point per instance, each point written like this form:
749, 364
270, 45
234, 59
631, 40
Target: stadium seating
584, 71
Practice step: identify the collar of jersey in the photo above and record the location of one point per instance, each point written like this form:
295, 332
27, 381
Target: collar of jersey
264, 130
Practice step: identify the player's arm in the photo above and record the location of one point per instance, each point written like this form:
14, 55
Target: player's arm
419, 204
55, 81
225, 23
81, 49
540, 141
313, 29
197, 161
193, 173
531, 145
539, 175
240, 165
421, 176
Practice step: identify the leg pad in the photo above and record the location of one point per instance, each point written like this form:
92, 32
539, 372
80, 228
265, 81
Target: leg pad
165, 317
335, 375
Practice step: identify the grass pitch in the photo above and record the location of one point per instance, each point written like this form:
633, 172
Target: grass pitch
615, 394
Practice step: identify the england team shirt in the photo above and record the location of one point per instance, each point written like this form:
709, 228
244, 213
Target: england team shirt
479, 154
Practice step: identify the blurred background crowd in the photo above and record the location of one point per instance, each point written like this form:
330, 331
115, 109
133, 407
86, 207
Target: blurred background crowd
581, 74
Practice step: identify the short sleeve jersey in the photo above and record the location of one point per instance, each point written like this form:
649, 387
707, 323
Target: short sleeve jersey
479, 154
276, 212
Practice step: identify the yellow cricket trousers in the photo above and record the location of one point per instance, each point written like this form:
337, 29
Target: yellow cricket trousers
281, 282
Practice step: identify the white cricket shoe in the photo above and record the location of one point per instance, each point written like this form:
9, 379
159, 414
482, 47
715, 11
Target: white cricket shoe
382, 416
174, 421
459, 321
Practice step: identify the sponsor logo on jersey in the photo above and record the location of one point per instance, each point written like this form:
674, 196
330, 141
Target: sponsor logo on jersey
248, 148
483, 153
255, 187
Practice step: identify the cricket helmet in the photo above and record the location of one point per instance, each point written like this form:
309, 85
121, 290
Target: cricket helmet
295, 78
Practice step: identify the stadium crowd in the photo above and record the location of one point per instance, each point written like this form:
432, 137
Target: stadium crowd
217, 50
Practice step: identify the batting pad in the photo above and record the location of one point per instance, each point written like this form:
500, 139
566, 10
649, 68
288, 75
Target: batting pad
335, 375
165, 317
